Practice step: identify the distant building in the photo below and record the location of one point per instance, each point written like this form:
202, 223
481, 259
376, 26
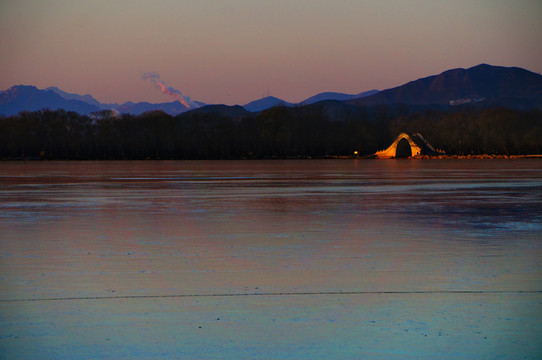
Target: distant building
462, 101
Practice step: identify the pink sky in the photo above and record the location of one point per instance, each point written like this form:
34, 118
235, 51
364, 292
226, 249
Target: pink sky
234, 51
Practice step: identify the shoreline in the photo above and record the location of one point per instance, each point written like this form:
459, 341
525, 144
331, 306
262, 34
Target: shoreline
328, 157
477, 157
443, 157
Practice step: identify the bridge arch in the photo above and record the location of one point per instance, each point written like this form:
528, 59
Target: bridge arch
403, 149
391, 151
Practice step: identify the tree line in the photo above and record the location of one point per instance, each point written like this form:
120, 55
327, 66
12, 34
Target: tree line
308, 131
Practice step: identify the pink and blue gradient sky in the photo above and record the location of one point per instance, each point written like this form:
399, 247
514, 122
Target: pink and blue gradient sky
234, 51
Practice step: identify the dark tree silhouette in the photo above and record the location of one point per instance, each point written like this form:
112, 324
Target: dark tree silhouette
306, 131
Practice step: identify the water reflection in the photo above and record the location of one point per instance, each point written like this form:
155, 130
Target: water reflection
94, 229
323, 225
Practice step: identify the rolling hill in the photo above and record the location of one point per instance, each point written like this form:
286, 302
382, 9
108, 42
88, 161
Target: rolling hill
459, 86
265, 103
336, 96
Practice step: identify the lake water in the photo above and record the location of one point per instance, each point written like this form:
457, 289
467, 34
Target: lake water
294, 259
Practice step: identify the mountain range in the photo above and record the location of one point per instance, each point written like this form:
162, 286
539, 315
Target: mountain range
30, 98
270, 101
483, 85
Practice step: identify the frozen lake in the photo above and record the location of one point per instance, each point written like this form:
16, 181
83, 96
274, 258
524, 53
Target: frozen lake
293, 259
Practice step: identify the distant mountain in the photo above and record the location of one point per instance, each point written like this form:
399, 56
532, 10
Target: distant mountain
460, 86
484, 85
236, 111
68, 96
30, 98
265, 103
336, 96
270, 101
199, 103
172, 108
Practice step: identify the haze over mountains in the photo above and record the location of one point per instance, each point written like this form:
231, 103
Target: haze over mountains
483, 85
30, 98
270, 101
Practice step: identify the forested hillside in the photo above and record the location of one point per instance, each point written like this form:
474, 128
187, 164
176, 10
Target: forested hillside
281, 132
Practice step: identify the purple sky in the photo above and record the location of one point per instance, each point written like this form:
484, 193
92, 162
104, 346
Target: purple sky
234, 51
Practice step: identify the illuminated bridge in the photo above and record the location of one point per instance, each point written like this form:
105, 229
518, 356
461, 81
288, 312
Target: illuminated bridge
408, 145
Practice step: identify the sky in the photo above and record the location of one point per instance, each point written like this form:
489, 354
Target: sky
235, 51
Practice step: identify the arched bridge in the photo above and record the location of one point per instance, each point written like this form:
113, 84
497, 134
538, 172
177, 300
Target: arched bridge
408, 145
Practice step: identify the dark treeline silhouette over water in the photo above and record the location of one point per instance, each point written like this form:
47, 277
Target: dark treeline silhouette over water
308, 131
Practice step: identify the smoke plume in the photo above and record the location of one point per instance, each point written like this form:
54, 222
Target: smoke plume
176, 94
